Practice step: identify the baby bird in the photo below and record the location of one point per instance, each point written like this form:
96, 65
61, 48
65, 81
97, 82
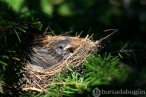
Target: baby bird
44, 57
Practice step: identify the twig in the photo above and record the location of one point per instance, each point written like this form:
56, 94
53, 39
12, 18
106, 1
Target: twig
32, 88
66, 83
106, 37
8, 27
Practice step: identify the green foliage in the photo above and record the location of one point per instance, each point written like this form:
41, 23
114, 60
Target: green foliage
12, 32
48, 7
1, 89
15, 4
104, 69
66, 85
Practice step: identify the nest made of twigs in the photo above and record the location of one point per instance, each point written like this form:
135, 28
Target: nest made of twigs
37, 79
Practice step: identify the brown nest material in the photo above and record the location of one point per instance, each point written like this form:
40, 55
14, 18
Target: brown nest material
41, 66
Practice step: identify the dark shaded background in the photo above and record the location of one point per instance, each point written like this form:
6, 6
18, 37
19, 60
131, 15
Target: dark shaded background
89, 16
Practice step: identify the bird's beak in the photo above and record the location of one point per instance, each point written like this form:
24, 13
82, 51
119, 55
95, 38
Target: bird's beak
67, 47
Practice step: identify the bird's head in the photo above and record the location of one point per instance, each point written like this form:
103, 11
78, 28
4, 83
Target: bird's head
63, 48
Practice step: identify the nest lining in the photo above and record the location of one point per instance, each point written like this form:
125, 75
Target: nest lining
37, 79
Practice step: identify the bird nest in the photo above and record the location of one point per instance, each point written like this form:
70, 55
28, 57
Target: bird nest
37, 74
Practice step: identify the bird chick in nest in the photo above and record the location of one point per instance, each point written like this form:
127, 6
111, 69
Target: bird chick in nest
50, 50
44, 57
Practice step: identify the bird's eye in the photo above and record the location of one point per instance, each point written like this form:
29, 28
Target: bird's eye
60, 47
